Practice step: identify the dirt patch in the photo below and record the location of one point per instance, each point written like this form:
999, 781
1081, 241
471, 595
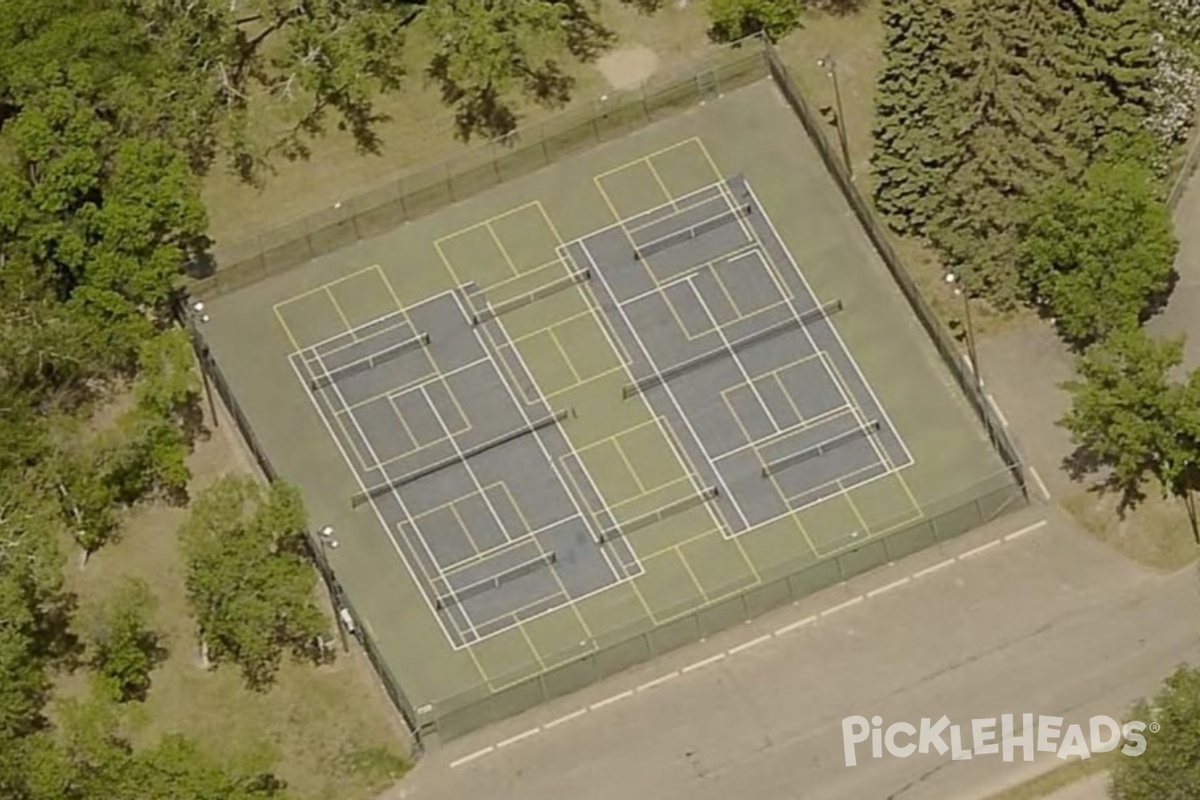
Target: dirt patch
628, 66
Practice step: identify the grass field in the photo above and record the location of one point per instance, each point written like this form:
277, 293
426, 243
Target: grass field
329, 731
1155, 533
510, 241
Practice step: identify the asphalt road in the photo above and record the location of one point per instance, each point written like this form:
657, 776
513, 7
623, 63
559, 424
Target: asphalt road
1048, 623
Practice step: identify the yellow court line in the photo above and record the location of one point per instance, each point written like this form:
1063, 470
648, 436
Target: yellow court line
786, 394
512, 501
687, 334
447, 504
647, 156
811, 489
404, 423
854, 508
286, 329
325, 286
728, 295
804, 532
668, 548
642, 599
736, 416
656, 490
454, 276
628, 466
563, 352
859, 415
463, 525
494, 285
529, 641
658, 179
475, 659
503, 250
488, 222
691, 574
651, 421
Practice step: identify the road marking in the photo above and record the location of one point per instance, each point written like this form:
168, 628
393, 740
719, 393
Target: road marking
977, 550
519, 737
934, 568
1041, 484
703, 663
747, 645
554, 723
795, 625
1027, 529
888, 588
841, 606
467, 759
810, 619
657, 681
610, 700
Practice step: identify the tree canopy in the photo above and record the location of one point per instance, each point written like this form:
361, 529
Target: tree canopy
981, 104
1169, 767
249, 582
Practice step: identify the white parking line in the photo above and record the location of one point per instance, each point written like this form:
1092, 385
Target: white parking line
747, 645
888, 588
519, 737
554, 723
974, 551
795, 625
934, 568
1025, 530
467, 759
842, 606
703, 663
610, 700
658, 681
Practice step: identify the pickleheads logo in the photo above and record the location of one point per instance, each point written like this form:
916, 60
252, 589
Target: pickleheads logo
987, 737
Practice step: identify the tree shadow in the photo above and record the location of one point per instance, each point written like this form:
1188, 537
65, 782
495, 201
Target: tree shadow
1084, 467
1157, 302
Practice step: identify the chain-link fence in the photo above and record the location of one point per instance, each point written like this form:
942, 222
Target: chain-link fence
963, 374
614, 651
215, 380
417, 194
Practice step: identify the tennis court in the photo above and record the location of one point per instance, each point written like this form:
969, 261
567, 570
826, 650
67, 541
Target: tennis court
605, 410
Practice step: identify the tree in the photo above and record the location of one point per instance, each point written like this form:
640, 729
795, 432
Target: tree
1168, 769
980, 104
1131, 422
249, 580
736, 19
1098, 256
123, 648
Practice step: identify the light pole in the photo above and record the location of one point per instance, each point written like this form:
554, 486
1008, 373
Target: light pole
830, 66
326, 542
952, 279
194, 311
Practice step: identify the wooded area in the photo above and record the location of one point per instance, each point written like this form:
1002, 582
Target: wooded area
1026, 142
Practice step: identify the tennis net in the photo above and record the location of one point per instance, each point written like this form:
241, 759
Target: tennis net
659, 514
491, 582
532, 296
674, 238
369, 362
674, 371
832, 443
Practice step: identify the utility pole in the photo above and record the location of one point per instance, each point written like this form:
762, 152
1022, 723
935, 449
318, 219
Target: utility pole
830, 66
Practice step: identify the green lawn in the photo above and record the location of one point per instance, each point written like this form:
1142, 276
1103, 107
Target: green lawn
1155, 533
331, 731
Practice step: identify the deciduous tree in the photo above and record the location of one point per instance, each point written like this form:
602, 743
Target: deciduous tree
1098, 254
249, 580
1169, 767
123, 647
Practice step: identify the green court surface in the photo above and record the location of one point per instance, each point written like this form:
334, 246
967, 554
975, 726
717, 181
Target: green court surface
514, 243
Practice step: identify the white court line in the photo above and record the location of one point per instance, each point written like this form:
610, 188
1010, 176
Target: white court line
934, 568
809, 620
522, 735
888, 588
747, 645
554, 723
703, 663
795, 625
842, 606
670, 676
1027, 529
1038, 479
608, 701
974, 551
468, 759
